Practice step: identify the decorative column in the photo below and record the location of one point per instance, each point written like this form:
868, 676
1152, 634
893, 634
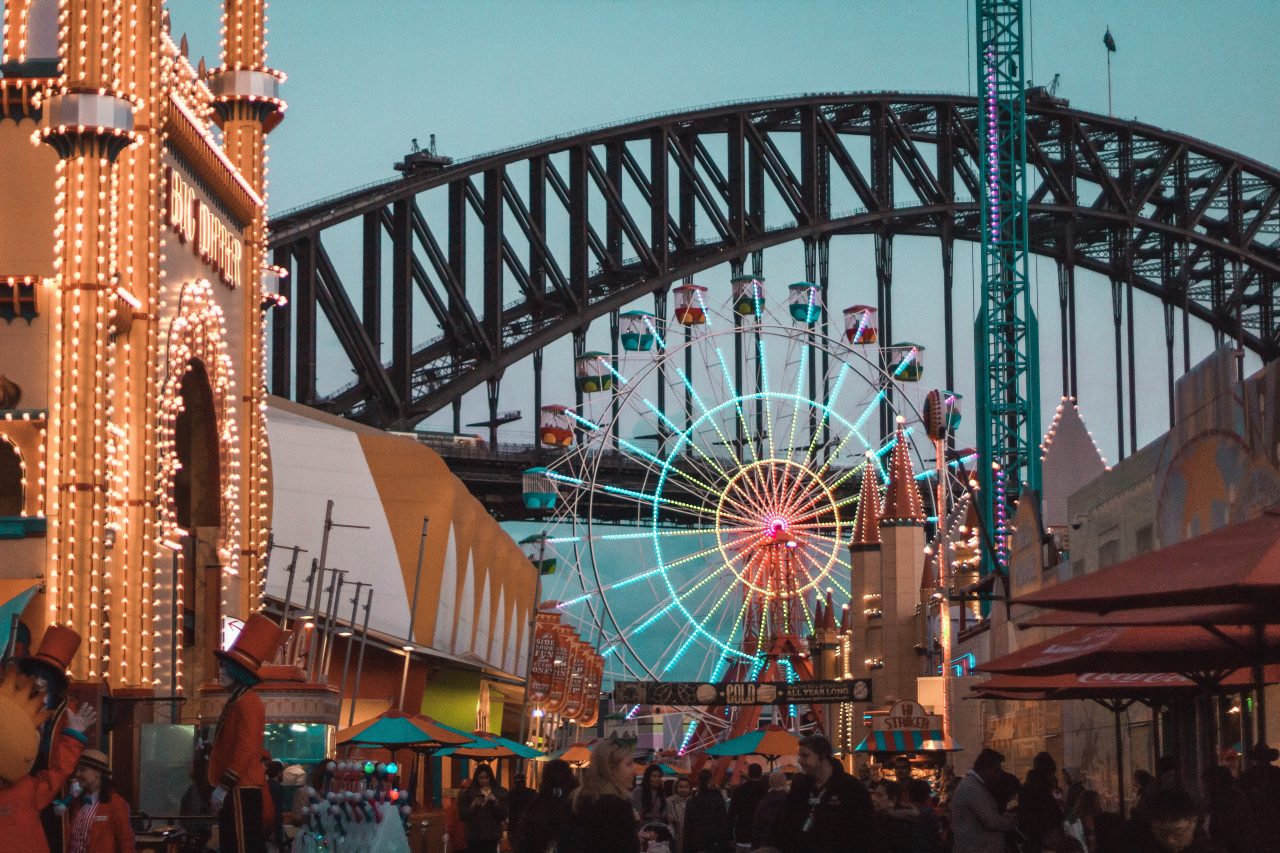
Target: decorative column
88, 120
247, 107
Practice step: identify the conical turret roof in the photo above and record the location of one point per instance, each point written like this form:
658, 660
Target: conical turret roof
866, 522
829, 613
902, 503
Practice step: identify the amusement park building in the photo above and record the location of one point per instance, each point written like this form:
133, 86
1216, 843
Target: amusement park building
133, 464
416, 529
1216, 466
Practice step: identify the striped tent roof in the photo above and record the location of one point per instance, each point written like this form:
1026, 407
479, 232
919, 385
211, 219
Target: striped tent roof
907, 740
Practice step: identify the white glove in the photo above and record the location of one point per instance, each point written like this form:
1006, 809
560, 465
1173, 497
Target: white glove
215, 799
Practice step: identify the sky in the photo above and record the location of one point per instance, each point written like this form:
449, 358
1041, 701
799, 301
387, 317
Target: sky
365, 78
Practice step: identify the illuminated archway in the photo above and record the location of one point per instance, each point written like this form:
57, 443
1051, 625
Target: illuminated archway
199, 448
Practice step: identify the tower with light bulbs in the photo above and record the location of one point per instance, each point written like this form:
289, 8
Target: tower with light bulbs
133, 466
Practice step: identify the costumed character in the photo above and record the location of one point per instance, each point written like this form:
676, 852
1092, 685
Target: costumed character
47, 668
24, 794
99, 817
235, 759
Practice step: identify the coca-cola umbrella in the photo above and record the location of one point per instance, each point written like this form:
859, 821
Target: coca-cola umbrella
1204, 656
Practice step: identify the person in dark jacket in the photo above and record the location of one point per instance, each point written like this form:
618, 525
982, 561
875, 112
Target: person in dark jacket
1261, 783
1233, 825
1176, 825
483, 809
603, 820
827, 811
925, 835
1039, 815
545, 818
518, 799
770, 809
742, 806
706, 822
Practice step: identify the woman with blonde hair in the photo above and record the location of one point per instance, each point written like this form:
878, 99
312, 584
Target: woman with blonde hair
603, 820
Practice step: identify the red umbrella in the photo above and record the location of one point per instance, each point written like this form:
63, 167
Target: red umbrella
1105, 685
1203, 615
1236, 564
1204, 656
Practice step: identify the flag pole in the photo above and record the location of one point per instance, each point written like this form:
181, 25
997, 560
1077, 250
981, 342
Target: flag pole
1110, 112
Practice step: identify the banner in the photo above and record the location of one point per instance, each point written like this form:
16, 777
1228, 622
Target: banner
575, 695
566, 645
741, 692
591, 712
542, 666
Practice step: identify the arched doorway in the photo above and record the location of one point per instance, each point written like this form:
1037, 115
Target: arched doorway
197, 500
11, 492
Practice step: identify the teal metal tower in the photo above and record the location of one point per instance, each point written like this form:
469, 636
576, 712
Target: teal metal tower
1006, 340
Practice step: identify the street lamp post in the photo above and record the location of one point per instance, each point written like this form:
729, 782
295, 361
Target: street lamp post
413, 613
533, 632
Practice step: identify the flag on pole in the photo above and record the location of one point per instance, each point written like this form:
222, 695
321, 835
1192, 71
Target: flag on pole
1109, 41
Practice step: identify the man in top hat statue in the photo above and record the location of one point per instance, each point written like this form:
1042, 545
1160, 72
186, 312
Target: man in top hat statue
235, 759
24, 793
47, 668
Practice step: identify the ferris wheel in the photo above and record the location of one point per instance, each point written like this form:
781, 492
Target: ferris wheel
706, 483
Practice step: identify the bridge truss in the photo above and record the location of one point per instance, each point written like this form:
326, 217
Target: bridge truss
512, 250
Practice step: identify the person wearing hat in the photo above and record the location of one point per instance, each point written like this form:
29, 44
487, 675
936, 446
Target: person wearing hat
235, 758
98, 817
48, 669
23, 794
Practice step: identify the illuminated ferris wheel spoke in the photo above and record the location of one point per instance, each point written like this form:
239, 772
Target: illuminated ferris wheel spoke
731, 388
795, 408
706, 412
694, 630
655, 613
829, 577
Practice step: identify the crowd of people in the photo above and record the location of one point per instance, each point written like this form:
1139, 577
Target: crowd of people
824, 809
992, 811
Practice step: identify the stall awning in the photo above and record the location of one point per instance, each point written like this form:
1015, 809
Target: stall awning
907, 740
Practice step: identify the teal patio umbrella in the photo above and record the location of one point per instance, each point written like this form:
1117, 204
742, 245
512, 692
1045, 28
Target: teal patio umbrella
489, 746
771, 742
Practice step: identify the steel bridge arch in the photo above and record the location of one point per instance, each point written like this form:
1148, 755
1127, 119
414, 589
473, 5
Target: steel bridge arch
1189, 222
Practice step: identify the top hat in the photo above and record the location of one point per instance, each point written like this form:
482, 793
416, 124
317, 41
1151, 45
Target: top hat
255, 645
96, 760
57, 649
1263, 753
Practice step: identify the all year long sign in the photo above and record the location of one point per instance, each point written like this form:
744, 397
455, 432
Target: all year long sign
741, 692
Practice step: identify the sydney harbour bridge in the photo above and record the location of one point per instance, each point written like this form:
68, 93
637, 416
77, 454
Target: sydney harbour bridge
573, 228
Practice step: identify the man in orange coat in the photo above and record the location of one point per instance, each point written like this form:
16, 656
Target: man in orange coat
23, 796
235, 759
99, 817
47, 668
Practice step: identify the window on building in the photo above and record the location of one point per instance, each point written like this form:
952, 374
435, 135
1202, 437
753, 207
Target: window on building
1144, 540
1108, 553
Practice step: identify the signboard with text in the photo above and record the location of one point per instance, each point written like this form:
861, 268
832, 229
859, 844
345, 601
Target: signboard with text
741, 692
